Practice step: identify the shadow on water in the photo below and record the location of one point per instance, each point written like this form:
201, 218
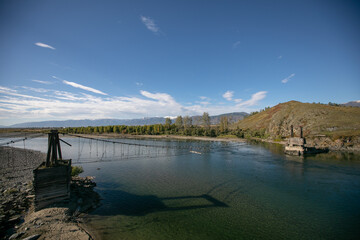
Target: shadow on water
124, 203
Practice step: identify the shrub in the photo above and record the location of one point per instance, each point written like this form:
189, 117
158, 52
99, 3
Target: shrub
76, 170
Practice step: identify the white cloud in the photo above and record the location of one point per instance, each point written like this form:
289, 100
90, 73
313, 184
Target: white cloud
43, 82
161, 97
12, 92
254, 100
39, 90
76, 85
280, 57
150, 24
139, 84
205, 103
285, 80
6, 89
228, 95
236, 44
50, 104
44, 45
204, 98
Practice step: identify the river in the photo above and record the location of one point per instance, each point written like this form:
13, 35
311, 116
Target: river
217, 190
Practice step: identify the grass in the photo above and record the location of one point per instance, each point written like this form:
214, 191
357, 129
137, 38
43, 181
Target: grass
332, 121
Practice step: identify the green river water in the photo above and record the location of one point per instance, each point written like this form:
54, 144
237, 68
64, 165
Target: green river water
229, 191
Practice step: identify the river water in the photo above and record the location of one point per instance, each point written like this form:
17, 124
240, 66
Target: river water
229, 191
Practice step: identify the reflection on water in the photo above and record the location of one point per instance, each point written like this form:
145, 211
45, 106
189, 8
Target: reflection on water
230, 191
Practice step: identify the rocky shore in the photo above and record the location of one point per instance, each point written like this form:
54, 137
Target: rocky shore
18, 220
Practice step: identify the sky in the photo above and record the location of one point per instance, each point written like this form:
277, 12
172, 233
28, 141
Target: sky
88, 59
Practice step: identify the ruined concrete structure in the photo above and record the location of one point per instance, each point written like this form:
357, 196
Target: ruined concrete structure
297, 145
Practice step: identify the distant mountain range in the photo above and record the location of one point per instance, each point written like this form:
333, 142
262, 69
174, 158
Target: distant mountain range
233, 117
352, 104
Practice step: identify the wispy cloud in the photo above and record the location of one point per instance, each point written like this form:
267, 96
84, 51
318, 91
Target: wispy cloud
228, 95
255, 98
50, 104
38, 90
204, 98
150, 24
236, 44
8, 91
44, 45
161, 97
43, 82
76, 85
204, 103
279, 57
285, 80
139, 84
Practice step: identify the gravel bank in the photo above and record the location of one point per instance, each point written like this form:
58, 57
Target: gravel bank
18, 220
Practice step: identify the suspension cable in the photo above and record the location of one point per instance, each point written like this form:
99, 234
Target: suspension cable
138, 144
22, 139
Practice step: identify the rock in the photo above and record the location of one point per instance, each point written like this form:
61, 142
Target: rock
16, 235
33, 237
15, 219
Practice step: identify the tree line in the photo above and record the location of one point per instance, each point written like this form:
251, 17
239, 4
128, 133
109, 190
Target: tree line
180, 126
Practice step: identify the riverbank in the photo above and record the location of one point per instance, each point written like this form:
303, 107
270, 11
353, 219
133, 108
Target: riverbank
170, 137
18, 219
338, 145
322, 142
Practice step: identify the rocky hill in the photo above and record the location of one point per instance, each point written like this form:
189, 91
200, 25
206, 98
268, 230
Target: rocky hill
318, 120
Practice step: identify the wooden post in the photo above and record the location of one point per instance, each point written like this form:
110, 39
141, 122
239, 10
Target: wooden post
301, 131
52, 178
53, 149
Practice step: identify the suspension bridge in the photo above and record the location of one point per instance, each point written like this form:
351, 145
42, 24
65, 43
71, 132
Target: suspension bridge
19, 159
16, 148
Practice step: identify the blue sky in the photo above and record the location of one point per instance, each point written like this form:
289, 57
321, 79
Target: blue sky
131, 59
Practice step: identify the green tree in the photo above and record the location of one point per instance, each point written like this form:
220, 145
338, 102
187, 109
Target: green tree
167, 123
206, 120
116, 129
224, 124
179, 122
187, 122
